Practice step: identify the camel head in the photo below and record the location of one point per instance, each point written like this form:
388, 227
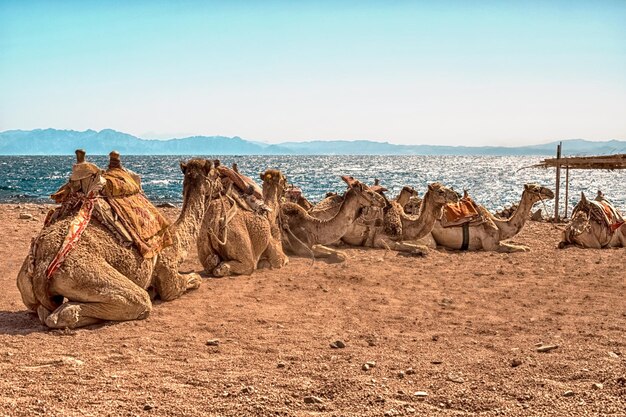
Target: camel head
537, 192
274, 178
440, 194
365, 195
405, 195
200, 176
578, 226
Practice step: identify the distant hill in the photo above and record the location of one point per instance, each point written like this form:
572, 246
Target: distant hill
64, 142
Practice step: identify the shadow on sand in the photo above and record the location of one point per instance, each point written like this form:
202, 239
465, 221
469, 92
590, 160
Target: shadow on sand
20, 322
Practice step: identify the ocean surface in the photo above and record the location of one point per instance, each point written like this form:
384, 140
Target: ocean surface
492, 181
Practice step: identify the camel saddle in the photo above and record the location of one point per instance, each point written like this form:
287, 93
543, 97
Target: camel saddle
241, 182
603, 212
115, 198
462, 212
243, 190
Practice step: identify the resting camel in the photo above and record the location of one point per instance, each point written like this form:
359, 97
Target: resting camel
233, 238
305, 235
105, 280
392, 228
595, 224
489, 235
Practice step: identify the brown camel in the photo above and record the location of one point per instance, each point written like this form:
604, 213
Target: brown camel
306, 235
105, 280
490, 234
595, 224
234, 238
393, 229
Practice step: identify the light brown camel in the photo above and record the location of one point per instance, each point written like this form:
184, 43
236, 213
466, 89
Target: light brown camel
405, 195
233, 238
592, 228
490, 234
105, 280
392, 228
306, 235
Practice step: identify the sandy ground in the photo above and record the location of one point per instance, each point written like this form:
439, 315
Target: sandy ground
463, 328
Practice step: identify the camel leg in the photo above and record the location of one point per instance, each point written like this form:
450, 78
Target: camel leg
410, 248
111, 296
331, 255
171, 284
275, 255
245, 262
510, 248
25, 286
208, 257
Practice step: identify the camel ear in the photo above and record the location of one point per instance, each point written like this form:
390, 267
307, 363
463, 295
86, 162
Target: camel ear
582, 197
526, 187
261, 176
183, 166
430, 187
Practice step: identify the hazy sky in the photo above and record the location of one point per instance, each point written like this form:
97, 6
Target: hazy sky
438, 72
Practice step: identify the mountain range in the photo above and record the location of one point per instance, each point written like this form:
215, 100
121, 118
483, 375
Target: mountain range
64, 142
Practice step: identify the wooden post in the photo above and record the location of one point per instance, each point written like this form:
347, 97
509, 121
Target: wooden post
566, 188
558, 182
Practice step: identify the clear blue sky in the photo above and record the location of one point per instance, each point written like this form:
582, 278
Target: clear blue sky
438, 72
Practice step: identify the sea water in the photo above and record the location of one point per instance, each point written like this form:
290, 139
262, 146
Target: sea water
494, 181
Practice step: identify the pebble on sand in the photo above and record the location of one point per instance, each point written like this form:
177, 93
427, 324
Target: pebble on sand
420, 394
25, 216
597, 385
546, 348
338, 344
213, 342
568, 393
311, 399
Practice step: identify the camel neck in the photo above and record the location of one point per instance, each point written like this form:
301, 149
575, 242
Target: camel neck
416, 228
333, 229
512, 226
187, 227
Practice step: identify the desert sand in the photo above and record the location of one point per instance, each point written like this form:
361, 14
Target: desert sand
454, 333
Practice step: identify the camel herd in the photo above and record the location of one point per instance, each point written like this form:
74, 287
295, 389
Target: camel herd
238, 227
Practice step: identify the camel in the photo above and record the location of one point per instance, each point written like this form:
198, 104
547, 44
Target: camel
393, 229
592, 228
234, 238
305, 234
490, 234
104, 280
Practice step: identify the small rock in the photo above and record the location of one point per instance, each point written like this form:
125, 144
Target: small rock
568, 393
400, 374
25, 216
311, 399
71, 361
435, 337
546, 348
436, 362
338, 344
371, 364
410, 410
213, 342
516, 362
410, 371
166, 205
613, 355
390, 413
455, 378
365, 367
148, 407
280, 365
597, 385
247, 390
420, 394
